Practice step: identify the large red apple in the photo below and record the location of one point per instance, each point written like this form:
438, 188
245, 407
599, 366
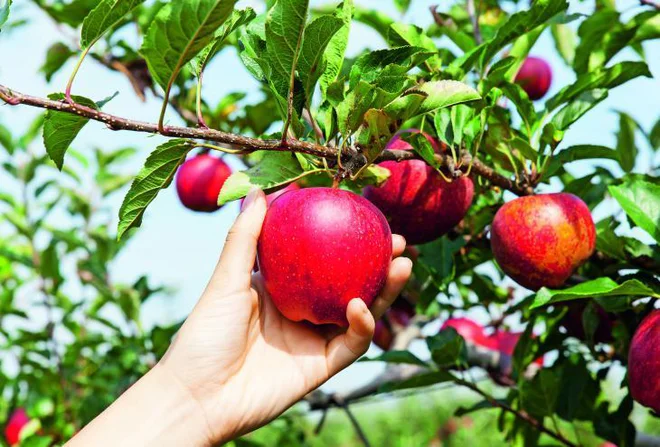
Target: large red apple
541, 240
535, 77
419, 204
319, 248
17, 421
471, 331
399, 315
644, 363
200, 180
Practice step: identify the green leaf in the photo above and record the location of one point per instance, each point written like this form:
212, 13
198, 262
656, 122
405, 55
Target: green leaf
418, 381
603, 78
275, 169
601, 287
56, 56
654, 136
429, 97
539, 396
574, 110
592, 33
157, 174
311, 62
72, 13
285, 25
565, 40
401, 34
522, 102
447, 348
180, 30
6, 139
640, 199
579, 152
625, 142
423, 148
375, 19
400, 60
61, 128
4, 11
336, 48
400, 357
104, 17
50, 262
238, 19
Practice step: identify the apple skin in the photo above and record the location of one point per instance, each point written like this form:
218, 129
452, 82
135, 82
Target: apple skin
644, 362
535, 77
470, 330
199, 181
400, 314
15, 424
419, 204
541, 240
319, 248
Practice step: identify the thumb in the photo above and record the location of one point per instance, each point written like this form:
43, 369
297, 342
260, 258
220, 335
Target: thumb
234, 269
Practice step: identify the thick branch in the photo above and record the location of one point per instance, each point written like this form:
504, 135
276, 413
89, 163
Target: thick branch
248, 144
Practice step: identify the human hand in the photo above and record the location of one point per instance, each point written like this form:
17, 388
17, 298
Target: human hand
241, 360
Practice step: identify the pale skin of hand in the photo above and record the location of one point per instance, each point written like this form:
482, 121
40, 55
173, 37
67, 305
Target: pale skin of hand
237, 363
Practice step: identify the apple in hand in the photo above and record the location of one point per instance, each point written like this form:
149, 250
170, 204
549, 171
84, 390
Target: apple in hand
199, 181
319, 248
17, 421
535, 77
644, 362
419, 204
541, 240
399, 315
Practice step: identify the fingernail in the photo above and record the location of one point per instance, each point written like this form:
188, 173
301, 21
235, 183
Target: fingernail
250, 198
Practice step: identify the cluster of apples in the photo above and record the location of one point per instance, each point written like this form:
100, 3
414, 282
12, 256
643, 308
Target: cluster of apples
321, 247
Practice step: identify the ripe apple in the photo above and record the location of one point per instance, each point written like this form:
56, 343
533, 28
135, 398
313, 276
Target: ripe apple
200, 180
541, 240
506, 342
419, 204
470, 330
399, 315
319, 248
535, 77
644, 362
17, 421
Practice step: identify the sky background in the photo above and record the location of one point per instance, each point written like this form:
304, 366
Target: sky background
179, 248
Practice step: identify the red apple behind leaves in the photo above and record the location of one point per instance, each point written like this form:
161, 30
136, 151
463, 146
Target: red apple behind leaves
506, 342
419, 204
644, 363
17, 421
199, 182
399, 315
535, 77
470, 330
541, 240
319, 248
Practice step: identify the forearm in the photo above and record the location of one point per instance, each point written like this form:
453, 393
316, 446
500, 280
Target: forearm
155, 411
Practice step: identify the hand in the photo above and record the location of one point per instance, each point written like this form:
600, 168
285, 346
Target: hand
241, 360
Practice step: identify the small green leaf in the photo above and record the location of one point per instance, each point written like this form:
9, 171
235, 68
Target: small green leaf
625, 142
4, 11
654, 136
157, 174
604, 78
375, 19
423, 148
429, 97
61, 128
400, 357
336, 48
579, 152
574, 110
6, 139
180, 30
640, 199
447, 348
601, 287
56, 56
402, 34
368, 67
522, 102
565, 41
104, 17
539, 396
275, 169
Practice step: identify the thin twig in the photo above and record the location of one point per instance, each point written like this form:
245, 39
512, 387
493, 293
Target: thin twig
474, 18
356, 426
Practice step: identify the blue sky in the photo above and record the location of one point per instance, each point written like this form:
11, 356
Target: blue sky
179, 248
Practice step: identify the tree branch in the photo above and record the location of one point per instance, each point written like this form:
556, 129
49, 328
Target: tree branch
249, 144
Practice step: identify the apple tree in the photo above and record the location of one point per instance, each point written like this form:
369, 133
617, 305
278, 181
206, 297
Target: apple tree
452, 127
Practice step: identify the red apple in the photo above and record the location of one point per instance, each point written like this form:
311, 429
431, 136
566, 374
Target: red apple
506, 342
535, 77
644, 362
17, 421
419, 204
319, 248
541, 240
200, 180
470, 330
399, 315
